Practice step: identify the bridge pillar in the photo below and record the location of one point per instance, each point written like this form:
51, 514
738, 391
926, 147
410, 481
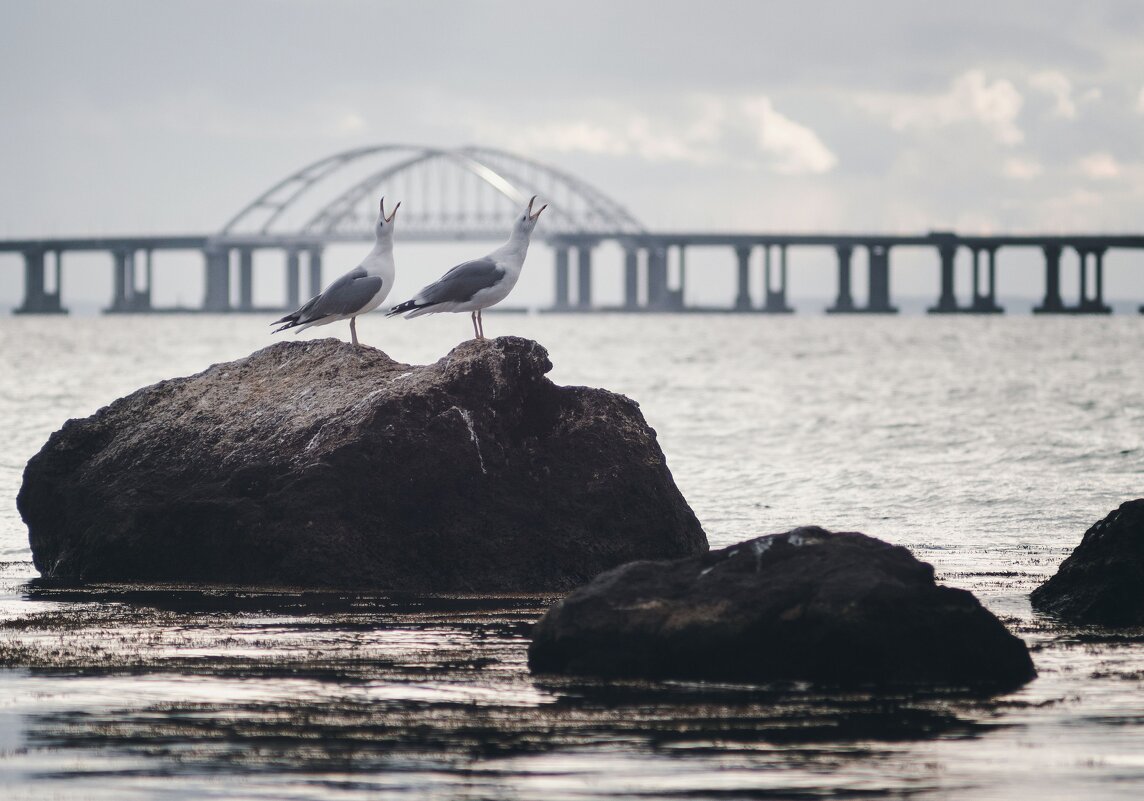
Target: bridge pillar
293, 275
245, 279
1095, 304
584, 288
561, 300
1082, 275
845, 301
141, 299
631, 278
743, 297
879, 278
947, 301
985, 302
216, 260
315, 266
37, 300
123, 281
775, 299
676, 295
976, 293
1052, 304
657, 292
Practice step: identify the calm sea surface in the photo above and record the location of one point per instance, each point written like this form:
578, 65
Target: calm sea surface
987, 446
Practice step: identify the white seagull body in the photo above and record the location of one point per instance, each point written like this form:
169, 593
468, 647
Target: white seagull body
475, 285
359, 291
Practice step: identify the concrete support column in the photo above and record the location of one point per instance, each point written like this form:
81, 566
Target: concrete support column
561, 300
37, 300
947, 301
743, 297
677, 295
293, 275
143, 297
776, 298
1082, 257
1094, 304
584, 290
1099, 297
121, 278
976, 276
315, 271
245, 279
217, 265
657, 277
631, 278
985, 300
880, 280
54, 296
845, 300
129, 280
34, 284
1052, 302
993, 277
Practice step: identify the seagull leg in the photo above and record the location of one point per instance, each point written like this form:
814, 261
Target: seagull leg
476, 332
481, 323
353, 329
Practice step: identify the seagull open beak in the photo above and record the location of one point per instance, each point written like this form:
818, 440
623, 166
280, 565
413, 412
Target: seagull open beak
393, 213
532, 216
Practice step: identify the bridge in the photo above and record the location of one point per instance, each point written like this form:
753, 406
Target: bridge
472, 193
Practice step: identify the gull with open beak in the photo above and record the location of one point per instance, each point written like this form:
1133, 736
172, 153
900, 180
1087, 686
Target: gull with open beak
361, 290
475, 285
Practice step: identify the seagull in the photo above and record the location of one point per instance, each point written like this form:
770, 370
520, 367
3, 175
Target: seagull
361, 290
478, 284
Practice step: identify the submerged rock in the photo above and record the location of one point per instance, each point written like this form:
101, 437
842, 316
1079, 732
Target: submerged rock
1102, 581
838, 608
318, 463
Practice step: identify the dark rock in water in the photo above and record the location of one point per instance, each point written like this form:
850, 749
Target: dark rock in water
1102, 581
318, 463
809, 604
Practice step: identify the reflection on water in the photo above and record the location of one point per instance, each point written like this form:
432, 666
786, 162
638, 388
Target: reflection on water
161, 691
333, 690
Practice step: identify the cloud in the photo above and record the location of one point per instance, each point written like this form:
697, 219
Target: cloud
970, 98
1057, 86
1099, 166
703, 129
1021, 169
794, 149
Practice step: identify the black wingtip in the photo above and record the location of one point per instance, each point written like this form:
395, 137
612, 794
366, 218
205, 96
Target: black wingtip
401, 308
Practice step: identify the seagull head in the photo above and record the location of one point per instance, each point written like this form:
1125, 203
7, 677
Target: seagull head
526, 221
384, 225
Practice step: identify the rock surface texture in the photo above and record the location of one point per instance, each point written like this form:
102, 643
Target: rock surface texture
837, 608
317, 463
1102, 581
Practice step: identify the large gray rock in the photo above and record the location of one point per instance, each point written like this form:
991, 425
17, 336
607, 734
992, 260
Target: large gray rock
318, 463
805, 605
1102, 581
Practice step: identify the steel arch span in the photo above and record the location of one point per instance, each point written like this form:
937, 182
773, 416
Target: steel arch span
446, 194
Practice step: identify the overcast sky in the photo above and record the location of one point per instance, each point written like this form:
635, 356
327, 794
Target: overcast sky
134, 117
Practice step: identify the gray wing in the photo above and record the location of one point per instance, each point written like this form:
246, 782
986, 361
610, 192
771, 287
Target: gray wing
462, 282
345, 296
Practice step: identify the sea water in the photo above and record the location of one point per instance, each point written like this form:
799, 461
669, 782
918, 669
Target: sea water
985, 445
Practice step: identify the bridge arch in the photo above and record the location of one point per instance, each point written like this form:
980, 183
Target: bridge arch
446, 194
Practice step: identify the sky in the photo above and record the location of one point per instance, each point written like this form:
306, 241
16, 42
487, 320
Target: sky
143, 117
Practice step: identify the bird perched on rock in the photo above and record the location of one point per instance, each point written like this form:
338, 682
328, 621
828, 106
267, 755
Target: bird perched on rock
478, 284
361, 290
